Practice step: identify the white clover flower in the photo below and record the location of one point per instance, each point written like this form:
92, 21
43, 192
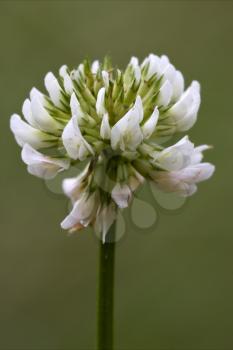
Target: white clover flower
74, 187
104, 219
115, 119
127, 134
41, 165
75, 144
183, 181
83, 212
121, 194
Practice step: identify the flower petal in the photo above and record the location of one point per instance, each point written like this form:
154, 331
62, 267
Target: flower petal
126, 133
177, 86
177, 156
197, 154
83, 212
63, 71
67, 81
27, 113
74, 187
185, 110
25, 133
42, 166
53, 89
100, 102
136, 69
75, 144
169, 72
121, 194
76, 108
165, 94
149, 127
138, 109
68, 84
43, 118
36, 93
104, 219
154, 66
105, 77
105, 129
95, 66
183, 181
164, 62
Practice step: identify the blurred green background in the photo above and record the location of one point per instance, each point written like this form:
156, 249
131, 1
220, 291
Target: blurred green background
174, 285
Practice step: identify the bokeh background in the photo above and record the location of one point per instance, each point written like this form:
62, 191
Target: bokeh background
174, 284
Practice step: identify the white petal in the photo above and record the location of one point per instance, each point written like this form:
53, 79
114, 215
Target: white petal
68, 84
126, 135
83, 212
144, 62
134, 61
191, 116
100, 102
67, 81
136, 69
154, 66
75, 105
121, 194
53, 89
78, 74
196, 86
72, 219
177, 156
36, 93
63, 71
75, 144
164, 62
95, 66
30, 155
180, 108
74, 187
197, 154
27, 112
165, 94
76, 109
81, 69
138, 108
105, 77
185, 110
169, 72
43, 118
70, 186
178, 86
41, 165
184, 144
183, 181
104, 219
149, 127
105, 129
24, 133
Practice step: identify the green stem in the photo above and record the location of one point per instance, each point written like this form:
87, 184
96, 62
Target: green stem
106, 292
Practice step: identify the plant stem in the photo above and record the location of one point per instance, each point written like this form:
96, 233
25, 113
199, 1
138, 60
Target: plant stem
106, 292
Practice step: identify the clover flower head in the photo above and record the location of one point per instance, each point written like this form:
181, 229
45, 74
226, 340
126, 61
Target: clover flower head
116, 121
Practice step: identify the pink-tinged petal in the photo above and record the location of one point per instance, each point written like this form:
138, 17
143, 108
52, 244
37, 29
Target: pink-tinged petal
121, 194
